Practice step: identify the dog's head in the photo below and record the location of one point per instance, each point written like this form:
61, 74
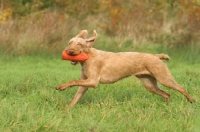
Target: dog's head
80, 44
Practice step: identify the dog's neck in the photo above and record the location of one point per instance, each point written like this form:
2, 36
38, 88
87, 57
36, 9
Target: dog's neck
91, 52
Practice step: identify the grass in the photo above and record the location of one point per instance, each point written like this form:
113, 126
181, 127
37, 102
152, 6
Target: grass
29, 101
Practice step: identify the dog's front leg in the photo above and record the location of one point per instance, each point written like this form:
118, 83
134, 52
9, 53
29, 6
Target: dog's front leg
85, 83
78, 95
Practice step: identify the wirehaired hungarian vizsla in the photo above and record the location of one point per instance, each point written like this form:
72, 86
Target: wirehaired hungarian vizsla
109, 67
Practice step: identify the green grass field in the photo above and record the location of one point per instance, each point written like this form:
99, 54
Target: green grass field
30, 103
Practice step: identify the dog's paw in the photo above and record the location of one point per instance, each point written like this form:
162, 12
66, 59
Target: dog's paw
192, 100
60, 88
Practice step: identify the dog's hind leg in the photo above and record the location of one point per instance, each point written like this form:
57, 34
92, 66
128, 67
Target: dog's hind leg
78, 95
169, 82
163, 76
150, 84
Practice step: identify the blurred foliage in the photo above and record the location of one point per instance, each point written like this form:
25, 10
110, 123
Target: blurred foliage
170, 22
79, 8
175, 21
75, 8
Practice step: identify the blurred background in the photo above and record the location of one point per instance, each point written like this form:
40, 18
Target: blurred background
41, 26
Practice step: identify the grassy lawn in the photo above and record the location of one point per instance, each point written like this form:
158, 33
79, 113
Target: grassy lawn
29, 101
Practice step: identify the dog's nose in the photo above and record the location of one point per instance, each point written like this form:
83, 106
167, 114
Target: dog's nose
70, 52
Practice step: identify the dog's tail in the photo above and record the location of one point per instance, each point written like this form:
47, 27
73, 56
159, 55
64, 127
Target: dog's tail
163, 56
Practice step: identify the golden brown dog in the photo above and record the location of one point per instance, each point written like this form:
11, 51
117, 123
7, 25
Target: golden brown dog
108, 67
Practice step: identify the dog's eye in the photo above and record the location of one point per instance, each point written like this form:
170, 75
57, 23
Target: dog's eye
69, 43
79, 44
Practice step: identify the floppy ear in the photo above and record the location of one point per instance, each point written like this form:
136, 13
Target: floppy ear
91, 40
82, 34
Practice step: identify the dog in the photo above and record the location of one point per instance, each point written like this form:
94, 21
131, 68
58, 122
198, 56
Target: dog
109, 67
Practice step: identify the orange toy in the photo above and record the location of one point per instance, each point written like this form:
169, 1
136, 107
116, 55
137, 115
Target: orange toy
80, 57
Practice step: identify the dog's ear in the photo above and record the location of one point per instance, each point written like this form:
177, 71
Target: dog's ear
82, 34
91, 40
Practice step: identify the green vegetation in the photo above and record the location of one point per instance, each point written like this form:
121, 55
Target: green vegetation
29, 101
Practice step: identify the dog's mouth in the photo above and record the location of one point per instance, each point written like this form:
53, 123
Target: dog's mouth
72, 52
74, 62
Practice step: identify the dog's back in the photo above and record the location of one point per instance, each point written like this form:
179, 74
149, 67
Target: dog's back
114, 66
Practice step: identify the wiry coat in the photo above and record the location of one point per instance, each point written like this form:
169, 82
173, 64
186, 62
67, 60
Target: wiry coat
108, 67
